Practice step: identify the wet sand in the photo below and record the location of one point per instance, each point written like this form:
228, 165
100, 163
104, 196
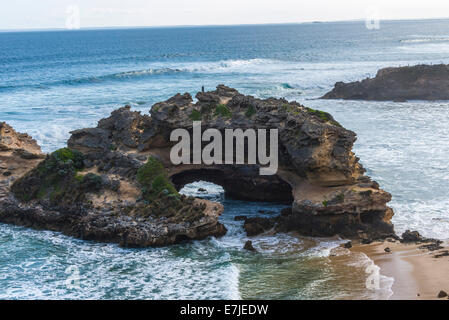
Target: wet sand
417, 274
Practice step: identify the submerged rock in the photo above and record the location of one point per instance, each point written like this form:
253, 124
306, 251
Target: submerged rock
421, 82
116, 182
249, 246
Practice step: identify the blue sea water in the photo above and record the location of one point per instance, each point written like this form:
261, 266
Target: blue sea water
57, 81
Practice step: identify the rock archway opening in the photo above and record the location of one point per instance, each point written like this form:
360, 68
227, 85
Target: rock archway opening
239, 183
203, 189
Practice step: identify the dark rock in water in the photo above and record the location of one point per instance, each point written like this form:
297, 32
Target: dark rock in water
387, 249
240, 218
100, 188
202, 190
256, 226
411, 236
421, 82
249, 246
442, 294
348, 245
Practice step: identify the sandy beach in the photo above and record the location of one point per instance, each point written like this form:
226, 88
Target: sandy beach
417, 273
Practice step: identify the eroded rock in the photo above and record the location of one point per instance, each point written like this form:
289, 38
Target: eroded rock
143, 210
318, 175
18, 153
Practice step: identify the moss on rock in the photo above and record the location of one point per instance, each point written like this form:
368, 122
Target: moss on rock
223, 111
195, 115
153, 179
161, 200
326, 117
56, 180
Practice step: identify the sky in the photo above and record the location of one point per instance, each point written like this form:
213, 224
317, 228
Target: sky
45, 14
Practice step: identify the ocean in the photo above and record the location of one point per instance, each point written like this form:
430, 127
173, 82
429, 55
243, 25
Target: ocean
52, 82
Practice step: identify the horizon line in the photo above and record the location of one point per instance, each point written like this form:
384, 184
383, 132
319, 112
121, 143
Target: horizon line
209, 25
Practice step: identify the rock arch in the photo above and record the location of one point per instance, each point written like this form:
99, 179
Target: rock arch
242, 183
330, 193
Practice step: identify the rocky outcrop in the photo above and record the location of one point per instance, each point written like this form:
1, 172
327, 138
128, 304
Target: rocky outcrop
318, 172
18, 153
116, 182
130, 202
421, 82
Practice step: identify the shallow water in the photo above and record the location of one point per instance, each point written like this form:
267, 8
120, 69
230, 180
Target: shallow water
286, 266
54, 82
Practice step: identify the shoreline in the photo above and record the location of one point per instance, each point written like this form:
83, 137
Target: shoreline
417, 274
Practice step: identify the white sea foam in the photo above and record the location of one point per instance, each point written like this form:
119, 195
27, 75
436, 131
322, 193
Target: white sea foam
384, 292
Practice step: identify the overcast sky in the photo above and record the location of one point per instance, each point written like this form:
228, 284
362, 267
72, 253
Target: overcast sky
30, 14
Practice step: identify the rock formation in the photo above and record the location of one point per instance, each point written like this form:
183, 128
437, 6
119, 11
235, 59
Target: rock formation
135, 206
421, 82
18, 153
116, 182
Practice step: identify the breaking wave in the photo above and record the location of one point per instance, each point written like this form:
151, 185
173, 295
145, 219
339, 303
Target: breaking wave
419, 39
224, 66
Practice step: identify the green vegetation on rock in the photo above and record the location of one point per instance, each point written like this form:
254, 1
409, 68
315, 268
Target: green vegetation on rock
57, 180
66, 155
223, 111
195, 115
154, 181
173, 208
323, 116
161, 200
